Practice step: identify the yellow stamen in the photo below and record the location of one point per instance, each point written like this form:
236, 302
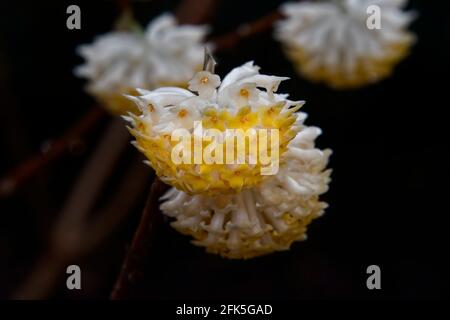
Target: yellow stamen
204, 80
244, 92
182, 113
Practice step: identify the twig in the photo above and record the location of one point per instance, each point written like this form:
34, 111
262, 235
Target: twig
196, 11
130, 189
123, 5
50, 267
94, 174
246, 30
132, 269
68, 232
24, 171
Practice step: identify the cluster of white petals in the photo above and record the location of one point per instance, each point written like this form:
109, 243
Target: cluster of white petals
261, 215
263, 219
244, 99
330, 42
160, 109
117, 62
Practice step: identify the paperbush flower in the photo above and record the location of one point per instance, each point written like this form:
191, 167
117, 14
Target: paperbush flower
245, 99
265, 218
330, 42
118, 62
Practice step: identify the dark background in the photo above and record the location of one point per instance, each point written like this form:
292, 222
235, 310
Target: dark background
389, 190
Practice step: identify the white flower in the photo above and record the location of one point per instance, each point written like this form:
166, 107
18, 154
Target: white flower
119, 62
182, 115
330, 42
244, 99
241, 95
230, 209
205, 83
265, 218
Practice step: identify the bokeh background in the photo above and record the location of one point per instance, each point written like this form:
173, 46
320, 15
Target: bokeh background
388, 197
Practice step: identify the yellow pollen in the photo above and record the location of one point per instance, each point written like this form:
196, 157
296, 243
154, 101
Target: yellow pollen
244, 119
182, 113
244, 92
204, 80
237, 173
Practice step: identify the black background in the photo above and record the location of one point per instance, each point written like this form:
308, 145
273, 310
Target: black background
389, 190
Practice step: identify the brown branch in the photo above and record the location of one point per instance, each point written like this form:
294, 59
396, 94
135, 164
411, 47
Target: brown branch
246, 30
94, 174
66, 241
124, 5
51, 266
130, 189
196, 11
27, 169
132, 269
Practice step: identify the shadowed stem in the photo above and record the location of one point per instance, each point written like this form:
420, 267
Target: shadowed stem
230, 40
24, 171
48, 271
75, 233
132, 268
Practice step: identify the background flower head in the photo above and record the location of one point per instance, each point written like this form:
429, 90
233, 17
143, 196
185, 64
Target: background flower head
330, 42
163, 54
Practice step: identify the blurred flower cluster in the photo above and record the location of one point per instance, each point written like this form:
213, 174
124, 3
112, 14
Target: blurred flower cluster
120, 61
330, 42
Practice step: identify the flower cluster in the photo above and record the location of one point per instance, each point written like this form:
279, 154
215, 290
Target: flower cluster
233, 210
245, 99
330, 42
262, 219
118, 62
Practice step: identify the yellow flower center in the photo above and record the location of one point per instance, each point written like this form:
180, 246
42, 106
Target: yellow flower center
182, 113
204, 80
218, 178
244, 93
